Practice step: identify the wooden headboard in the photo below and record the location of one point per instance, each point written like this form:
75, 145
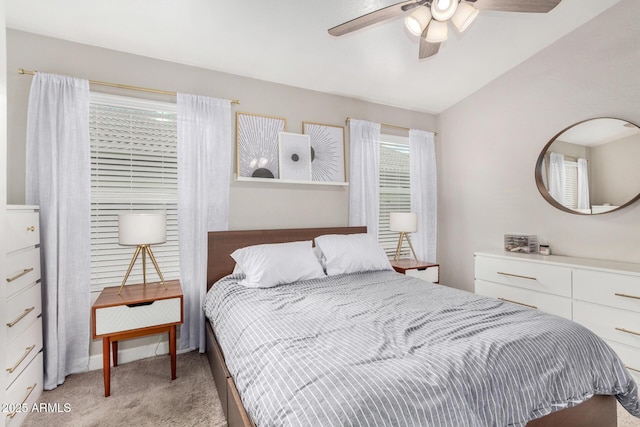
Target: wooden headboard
223, 243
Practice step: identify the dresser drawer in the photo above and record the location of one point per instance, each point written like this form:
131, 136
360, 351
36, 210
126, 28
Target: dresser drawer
536, 276
23, 230
121, 318
630, 356
22, 350
428, 274
24, 392
613, 289
553, 304
23, 269
608, 322
22, 309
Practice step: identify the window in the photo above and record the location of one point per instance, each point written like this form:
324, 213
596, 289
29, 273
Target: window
133, 168
395, 195
570, 184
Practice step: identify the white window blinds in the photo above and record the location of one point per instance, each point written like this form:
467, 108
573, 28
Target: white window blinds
133, 168
571, 184
395, 195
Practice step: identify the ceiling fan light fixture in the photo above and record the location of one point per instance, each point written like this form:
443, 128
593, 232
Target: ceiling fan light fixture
418, 20
437, 32
442, 10
464, 16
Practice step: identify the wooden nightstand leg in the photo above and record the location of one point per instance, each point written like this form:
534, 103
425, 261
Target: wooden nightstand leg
114, 351
172, 350
106, 366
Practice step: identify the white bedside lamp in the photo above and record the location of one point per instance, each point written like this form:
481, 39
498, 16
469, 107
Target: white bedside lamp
142, 230
404, 223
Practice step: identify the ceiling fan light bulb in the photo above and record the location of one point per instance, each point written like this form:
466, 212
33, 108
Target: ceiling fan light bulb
464, 16
437, 32
418, 20
442, 10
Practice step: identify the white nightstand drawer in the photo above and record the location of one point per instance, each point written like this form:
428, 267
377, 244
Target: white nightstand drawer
22, 309
538, 277
123, 318
616, 290
23, 350
630, 357
608, 322
23, 269
23, 230
24, 391
560, 306
428, 274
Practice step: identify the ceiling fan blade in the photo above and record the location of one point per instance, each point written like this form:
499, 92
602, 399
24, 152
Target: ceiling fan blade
427, 49
371, 18
528, 6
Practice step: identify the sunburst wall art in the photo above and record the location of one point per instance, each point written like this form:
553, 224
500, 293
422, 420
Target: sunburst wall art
295, 156
257, 145
327, 151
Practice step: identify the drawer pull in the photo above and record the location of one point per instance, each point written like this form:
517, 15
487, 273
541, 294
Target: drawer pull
632, 369
30, 390
19, 275
22, 316
32, 228
628, 331
516, 302
626, 296
517, 275
24, 356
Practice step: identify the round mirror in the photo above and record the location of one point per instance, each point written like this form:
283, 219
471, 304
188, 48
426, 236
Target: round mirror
591, 167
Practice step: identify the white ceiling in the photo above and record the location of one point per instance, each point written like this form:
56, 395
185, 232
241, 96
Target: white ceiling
286, 41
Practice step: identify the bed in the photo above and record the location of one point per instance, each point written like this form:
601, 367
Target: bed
597, 410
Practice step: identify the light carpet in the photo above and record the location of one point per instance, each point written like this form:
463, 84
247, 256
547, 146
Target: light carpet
143, 395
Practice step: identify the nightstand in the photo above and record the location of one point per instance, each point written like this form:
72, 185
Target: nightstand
139, 310
423, 270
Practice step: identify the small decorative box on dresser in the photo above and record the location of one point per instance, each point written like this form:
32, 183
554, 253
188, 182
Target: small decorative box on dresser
422, 270
137, 311
603, 296
23, 316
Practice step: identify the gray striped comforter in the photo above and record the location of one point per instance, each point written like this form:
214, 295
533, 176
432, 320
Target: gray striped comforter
384, 349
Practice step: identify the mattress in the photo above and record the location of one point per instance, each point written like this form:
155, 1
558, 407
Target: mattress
382, 349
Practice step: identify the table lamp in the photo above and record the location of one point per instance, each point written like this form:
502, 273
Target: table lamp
142, 230
404, 223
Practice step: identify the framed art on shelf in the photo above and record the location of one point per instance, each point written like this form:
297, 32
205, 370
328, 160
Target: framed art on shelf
327, 151
257, 145
295, 156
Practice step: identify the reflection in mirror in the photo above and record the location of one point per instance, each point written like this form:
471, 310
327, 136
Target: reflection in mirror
591, 167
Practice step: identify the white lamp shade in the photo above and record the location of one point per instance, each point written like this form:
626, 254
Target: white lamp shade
148, 228
418, 20
443, 9
464, 16
403, 222
437, 32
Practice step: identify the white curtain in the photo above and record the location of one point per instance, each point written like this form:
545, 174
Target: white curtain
364, 172
583, 185
557, 177
543, 173
58, 166
424, 192
204, 171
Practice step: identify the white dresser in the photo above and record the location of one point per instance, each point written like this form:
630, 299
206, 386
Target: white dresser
23, 317
603, 296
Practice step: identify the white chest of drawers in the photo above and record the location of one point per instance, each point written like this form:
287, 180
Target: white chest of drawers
23, 317
603, 296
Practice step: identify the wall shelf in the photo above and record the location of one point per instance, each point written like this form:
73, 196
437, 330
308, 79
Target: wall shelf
290, 181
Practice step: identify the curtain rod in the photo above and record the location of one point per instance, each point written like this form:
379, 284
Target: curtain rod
394, 127
121, 86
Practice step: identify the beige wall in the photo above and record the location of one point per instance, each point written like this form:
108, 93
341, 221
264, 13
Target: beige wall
614, 171
490, 142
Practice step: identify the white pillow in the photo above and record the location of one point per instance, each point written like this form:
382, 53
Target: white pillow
275, 264
351, 253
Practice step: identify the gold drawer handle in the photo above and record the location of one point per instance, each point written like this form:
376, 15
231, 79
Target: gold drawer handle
19, 275
517, 275
32, 228
24, 356
628, 331
631, 369
30, 389
22, 316
516, 302
626, 296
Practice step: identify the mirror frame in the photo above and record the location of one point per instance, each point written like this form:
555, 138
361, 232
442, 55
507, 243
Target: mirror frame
538, 173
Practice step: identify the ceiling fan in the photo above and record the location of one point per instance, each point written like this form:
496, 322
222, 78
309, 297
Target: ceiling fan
429, 18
